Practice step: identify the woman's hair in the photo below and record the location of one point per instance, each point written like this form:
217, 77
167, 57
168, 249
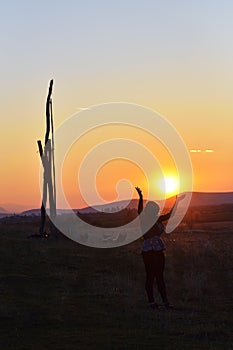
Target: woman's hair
151, 208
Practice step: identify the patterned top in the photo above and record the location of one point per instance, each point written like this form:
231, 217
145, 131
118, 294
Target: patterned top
155, 243
152, 239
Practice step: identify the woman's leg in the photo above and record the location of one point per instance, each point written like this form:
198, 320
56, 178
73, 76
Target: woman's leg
150, 275
160, 264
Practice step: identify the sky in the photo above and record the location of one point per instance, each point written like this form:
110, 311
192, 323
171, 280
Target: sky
174, 57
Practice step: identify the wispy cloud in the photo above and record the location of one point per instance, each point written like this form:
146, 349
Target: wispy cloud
83, 108
201, 151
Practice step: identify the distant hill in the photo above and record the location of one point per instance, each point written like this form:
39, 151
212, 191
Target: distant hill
211, 198
198, 199
111, 207
13, 207
32, 212
3, 210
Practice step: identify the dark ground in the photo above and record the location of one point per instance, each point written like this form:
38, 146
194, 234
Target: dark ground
57, 294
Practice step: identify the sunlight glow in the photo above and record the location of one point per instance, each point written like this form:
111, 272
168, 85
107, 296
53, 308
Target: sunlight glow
169, 185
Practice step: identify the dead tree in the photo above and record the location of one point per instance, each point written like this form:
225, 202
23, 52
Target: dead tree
47, 158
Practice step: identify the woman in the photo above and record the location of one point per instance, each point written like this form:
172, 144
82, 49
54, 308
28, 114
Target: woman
153, 248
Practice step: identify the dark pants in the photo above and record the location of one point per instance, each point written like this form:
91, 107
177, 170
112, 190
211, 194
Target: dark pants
154, 265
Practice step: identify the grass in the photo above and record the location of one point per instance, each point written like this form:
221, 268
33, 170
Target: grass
57, 294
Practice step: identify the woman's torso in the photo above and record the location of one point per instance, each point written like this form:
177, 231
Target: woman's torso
152, 239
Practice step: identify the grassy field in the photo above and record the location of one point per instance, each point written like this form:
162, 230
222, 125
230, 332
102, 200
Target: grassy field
57, 294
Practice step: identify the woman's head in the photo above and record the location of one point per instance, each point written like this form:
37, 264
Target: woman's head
152, 209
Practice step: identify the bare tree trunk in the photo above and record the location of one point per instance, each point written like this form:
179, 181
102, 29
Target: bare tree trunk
44, 195
47, 158
53, 164
48, 112
49, 181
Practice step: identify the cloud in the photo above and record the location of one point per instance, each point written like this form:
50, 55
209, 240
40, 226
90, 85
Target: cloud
201, 151
83, 108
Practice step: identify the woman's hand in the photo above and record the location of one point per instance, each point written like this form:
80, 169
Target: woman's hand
139, 191
140, 202
180, 197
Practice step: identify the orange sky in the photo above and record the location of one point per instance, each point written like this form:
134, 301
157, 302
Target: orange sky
212, 171
110, 173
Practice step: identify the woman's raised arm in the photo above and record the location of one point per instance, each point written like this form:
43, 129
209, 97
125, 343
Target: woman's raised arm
140, 203
173, 209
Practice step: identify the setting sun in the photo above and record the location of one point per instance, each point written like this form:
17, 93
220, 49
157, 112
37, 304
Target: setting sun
169, 185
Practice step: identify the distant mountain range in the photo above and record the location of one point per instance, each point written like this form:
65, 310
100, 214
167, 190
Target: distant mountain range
12, 208
211, 198
2, 210
198, 199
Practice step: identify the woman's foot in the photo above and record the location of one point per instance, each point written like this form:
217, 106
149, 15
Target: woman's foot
154, 306
168, 306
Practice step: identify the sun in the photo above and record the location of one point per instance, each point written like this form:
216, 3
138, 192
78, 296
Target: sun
169, 185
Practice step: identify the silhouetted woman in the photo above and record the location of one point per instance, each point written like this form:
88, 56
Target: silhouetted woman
153, 248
